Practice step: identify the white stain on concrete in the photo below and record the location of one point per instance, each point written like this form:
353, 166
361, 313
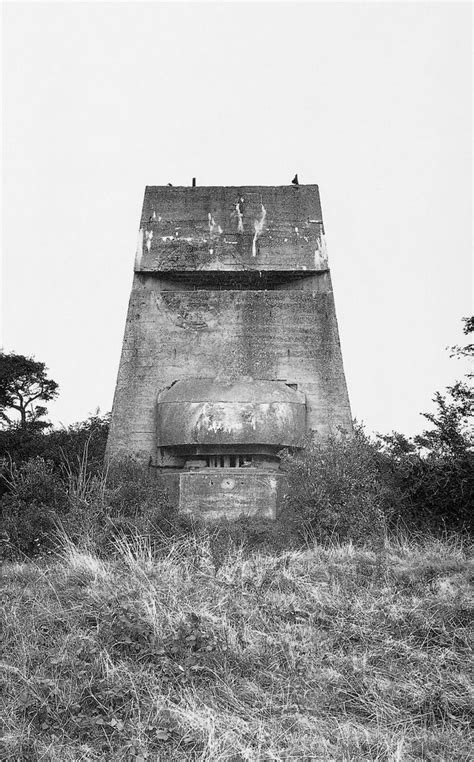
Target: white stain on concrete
148, 238
258, 227
139, 251
214, 228
237, 418
321, 253
224, 419
240, 224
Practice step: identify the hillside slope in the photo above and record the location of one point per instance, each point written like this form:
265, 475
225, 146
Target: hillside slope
205, 654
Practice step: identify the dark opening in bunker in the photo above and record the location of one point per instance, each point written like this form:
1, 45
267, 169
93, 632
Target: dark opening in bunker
228, 461
237, 280
224, 456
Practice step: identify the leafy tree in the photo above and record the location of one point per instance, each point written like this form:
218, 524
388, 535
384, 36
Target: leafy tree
468, 349
453, 432
23, 382
435, 469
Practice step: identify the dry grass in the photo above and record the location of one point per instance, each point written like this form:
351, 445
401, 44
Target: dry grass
322, 654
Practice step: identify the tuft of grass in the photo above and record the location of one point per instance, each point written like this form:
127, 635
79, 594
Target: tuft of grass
185, 652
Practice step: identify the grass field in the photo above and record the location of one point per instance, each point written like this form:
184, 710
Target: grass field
211, 653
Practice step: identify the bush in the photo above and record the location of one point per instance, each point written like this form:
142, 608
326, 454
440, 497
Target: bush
34, 501
340, 488
92, 509
135, 501
84, 441
359, 489
72, 445
437, 490
18, 445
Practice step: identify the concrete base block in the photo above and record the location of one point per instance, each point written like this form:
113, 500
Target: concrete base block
226, 493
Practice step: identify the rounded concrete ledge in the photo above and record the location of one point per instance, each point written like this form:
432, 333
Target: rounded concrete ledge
207, 411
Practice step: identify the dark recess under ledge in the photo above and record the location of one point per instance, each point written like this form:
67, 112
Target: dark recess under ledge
232, 280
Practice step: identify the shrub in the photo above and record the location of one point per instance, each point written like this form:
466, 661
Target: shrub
93, 509
34, 500
437, 490
87, 438
71, 445
435, 469
135, 501
339, 488
359, 489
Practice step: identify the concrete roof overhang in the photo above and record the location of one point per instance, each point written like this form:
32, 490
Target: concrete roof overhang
211, 411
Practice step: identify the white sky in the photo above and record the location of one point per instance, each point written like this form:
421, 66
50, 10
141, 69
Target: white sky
372, 101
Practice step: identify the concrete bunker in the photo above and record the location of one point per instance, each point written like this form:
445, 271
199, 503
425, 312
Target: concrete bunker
231, 349
219, 441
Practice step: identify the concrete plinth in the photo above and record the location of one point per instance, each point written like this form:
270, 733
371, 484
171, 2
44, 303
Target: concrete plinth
226, 493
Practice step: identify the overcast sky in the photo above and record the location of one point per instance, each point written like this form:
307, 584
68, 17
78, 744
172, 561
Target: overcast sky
371, 101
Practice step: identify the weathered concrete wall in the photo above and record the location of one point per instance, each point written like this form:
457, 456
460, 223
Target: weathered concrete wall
215, 228
192, 334
272, 328
226, 493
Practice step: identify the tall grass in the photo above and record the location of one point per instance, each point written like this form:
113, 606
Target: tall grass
334, 653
